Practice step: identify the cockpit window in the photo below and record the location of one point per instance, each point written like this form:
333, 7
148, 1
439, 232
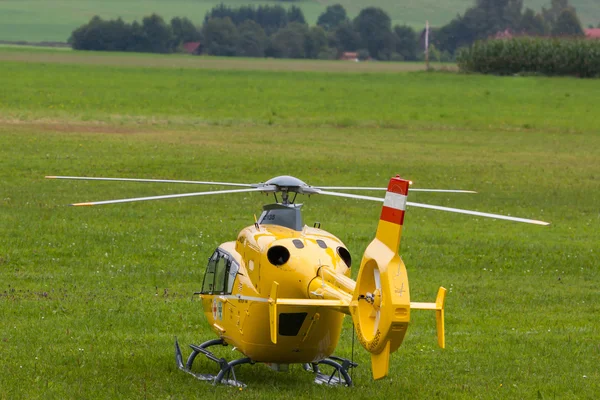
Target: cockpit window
220, 274
209, 275
321, 244
298, 243
232, 274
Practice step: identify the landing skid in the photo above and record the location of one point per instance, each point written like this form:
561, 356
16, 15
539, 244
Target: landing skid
339, 376
226, 375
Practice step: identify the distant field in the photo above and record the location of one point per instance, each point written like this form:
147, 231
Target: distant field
170, 93
91, 298
54, 20
66, 56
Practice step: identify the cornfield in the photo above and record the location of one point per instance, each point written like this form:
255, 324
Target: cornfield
533, 55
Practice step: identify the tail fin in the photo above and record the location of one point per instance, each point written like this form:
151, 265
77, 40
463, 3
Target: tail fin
380, 306
389, 230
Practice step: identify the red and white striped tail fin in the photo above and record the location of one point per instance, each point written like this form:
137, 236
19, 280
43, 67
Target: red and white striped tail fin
389, 230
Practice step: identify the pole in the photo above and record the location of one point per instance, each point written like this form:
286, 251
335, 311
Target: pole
427, 45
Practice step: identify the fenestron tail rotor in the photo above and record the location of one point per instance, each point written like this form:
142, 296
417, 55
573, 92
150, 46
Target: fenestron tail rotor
380, 305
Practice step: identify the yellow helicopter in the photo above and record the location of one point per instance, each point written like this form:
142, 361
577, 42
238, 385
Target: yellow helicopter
279, 293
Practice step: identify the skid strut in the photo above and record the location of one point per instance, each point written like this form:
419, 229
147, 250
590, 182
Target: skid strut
226, 374
339, 376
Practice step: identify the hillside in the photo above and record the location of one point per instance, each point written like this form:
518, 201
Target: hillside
53, 20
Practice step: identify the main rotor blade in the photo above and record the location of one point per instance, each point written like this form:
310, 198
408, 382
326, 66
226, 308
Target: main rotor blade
168, 196
478, 213
350, 195
380, 188
449, 209
87, 178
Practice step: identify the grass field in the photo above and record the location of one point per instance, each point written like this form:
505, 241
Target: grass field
66, 56
54, 20
91, 298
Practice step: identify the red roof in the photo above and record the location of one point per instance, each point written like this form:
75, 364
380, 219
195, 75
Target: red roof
592, 33
349, 55
191, 47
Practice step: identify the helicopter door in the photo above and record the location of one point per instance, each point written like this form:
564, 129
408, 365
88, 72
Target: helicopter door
220, 274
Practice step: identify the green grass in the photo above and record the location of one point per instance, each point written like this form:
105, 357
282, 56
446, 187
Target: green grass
186, 95
91, 298
66, 56
54, 20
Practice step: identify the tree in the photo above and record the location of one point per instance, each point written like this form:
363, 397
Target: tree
244, 13
567, 24
295, 14
289, 42
315, 42
375, 28
346, 38
89, 36
252, 40
452, 36
488, 17
152, 35
158, 35
220, 37
117, 35
137, 40
406, 42
532, 24
114, 35
556, 7
271, 18
219, 11
333, 17
184, 31
485, 19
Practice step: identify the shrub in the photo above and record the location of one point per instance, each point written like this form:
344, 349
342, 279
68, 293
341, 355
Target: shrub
531, 55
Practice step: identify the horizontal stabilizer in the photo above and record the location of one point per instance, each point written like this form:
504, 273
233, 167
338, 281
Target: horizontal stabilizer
312, 303
438, 307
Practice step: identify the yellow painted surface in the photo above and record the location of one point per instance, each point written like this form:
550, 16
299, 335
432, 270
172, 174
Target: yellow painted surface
317, 282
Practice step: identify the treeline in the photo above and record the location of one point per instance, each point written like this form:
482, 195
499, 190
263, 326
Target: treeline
263, 31
275, 31
272, 31
506, 18
531, 55
153, 35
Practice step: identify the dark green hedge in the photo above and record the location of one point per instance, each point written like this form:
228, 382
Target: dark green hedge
531, 55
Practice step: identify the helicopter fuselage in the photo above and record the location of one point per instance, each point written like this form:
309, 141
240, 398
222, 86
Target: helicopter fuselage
307, 264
